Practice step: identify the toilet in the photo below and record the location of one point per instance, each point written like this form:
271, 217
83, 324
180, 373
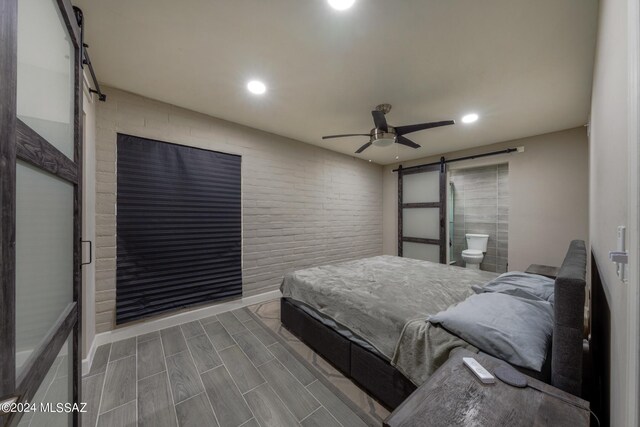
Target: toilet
476, 247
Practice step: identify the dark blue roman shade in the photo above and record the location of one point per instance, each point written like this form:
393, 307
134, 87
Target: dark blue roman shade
179, 233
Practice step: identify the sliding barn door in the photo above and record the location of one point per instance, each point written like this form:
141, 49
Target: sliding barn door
421, 213
40, 152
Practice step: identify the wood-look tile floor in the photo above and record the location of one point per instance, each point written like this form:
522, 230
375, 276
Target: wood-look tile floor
224, 370
269, 314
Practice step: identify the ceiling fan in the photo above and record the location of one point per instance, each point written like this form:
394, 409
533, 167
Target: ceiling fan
383, 135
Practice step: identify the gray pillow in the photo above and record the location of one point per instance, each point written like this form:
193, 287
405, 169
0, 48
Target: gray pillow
525, 285
510, 328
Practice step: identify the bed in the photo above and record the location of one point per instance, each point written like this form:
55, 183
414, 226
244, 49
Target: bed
368, 318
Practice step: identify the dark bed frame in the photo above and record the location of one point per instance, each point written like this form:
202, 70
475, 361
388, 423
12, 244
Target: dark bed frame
387, 385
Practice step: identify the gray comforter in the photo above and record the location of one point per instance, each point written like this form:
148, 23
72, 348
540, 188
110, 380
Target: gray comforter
386, 301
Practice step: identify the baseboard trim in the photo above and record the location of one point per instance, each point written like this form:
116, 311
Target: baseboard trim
166, 322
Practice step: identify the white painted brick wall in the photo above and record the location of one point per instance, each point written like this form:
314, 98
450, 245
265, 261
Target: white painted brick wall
302, 205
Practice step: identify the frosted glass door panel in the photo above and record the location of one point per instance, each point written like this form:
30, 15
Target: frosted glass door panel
46, 57
44, 255
55, 388
421, 222
423, 187
421, 251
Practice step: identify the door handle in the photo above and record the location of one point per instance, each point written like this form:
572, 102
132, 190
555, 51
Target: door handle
90, 252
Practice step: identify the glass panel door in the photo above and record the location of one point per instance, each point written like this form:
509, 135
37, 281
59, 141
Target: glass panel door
40, 136
46, 61
44, 255
56, 387
421, 206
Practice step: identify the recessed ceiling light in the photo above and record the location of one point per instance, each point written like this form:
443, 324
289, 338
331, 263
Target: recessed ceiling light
470, 118
341, 4
256, 87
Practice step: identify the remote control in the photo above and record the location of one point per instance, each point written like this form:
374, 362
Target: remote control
480, 372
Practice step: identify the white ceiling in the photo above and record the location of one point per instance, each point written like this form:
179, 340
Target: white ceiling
524, 66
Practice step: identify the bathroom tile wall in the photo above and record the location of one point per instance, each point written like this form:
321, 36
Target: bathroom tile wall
481, 205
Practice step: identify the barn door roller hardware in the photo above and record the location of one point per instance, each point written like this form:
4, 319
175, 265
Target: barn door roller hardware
444, 161
85, 55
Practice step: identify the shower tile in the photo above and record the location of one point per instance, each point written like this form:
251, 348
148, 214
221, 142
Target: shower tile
481, 205
480, 228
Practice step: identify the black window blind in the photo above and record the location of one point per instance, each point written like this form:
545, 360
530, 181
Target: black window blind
179, 237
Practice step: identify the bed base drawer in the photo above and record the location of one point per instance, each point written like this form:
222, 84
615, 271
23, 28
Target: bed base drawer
374, 374
324, 341
379, 378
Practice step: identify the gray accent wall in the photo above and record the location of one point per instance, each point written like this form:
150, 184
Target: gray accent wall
303, 205
481, 205
548, 191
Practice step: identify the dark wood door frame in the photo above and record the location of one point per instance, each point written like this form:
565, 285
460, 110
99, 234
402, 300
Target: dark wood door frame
19, 141
8, 74
442, 205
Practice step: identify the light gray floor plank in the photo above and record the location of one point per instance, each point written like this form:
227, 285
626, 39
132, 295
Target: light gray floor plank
265, 337
122, 416
150, 357
183, 376
173, 340
241, 369
192, 329
122, 349
251, 324
209, 319
335, 406
100, 360
231, 323
292, 364
227, 402
218, 335
204, 355
120, 383
196, 412
268, 408
253, 348
155, 407
320, 418
242, 314
149, 336
91, 394
293, 394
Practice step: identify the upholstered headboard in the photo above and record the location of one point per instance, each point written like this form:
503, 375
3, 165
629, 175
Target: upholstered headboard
566, 350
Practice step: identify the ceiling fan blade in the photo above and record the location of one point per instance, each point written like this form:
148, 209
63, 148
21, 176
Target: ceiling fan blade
346, 134
364, 147
405, 141
379, 120
402, 130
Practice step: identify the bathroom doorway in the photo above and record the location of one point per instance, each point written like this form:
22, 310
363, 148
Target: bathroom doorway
479, 204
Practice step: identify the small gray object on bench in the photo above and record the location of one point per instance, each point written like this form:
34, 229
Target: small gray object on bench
508, 375
566, 351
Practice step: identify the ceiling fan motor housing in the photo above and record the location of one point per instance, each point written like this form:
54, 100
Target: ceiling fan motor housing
380, 138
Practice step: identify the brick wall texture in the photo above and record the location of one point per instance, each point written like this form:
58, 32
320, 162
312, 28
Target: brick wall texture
303, 206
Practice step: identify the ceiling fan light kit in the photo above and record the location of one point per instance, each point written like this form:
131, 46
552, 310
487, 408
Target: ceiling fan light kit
383, 139
383, 135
